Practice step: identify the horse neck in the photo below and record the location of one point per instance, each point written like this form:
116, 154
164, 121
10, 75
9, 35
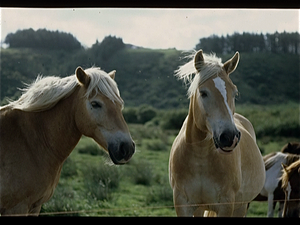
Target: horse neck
57, 128
194, 133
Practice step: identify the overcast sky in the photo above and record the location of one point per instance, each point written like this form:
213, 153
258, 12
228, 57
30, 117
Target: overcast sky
150, 28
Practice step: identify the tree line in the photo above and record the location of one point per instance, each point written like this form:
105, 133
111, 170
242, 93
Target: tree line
249, 42
145, 76
42, 38
245, 42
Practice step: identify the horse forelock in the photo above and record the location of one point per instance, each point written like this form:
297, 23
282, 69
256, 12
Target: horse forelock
101, 82
211, 67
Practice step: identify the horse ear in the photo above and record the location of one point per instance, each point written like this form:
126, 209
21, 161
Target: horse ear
82, 77
112, 74
199, 60
232, 63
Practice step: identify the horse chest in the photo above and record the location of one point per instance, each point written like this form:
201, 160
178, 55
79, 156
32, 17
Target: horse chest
202, 189
206, 183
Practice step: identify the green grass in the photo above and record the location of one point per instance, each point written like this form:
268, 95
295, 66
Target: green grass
91, 186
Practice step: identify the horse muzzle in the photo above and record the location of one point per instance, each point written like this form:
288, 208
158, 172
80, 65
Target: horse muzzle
227, 141
121, 153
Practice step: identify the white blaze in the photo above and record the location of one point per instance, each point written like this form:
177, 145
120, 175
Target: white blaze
220, 85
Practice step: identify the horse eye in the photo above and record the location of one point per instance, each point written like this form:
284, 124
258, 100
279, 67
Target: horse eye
203, 94
95, 104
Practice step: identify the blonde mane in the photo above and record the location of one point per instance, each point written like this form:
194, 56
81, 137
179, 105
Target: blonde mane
287, 173
212, 66
46, 92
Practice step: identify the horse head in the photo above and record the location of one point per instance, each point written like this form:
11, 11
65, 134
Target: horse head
215, 97
99, 113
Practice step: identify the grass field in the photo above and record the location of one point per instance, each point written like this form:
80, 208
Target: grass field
91, 186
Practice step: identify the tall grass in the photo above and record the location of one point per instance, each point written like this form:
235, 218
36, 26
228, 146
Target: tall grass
100, 180
87, 183
273, 120
141, 172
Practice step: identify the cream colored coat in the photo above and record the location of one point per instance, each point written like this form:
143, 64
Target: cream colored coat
203, 177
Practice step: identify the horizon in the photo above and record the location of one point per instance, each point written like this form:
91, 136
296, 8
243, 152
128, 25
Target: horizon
147, 27
4, 45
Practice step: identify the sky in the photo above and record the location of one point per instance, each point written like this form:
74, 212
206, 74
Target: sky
150, 28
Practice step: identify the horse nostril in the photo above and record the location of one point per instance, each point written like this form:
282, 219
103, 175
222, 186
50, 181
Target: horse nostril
126, 150
122, 149
225, 140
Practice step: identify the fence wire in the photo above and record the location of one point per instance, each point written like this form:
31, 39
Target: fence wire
134, 208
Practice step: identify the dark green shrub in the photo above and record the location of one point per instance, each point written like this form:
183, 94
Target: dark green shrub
69, 168
159, 194
63, 200
142, 173
145, 113
92, 148
154, 144
101, 180
130, 115
173, 119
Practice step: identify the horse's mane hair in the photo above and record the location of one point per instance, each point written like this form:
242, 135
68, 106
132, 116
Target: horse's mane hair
287, 173
212, 66
290, 158
272, 158
45, 92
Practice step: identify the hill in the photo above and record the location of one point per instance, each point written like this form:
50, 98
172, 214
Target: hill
90, 187
145, 76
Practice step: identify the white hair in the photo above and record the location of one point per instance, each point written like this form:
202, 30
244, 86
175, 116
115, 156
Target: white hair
211, 66
102, 82
46, 92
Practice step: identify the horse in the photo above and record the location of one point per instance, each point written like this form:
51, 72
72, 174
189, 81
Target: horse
41, 128
291, 186
272, 191
215, 165
291, 147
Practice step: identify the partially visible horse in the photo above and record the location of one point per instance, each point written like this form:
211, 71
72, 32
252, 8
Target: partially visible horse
214, 163
291, 186
40, 129
291, 147
272, 190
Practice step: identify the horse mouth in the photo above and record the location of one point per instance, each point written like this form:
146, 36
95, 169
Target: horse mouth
222, 150
116, 161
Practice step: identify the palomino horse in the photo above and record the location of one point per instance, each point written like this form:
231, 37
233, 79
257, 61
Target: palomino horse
41, 128
214, 163
272, 190
291, 186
